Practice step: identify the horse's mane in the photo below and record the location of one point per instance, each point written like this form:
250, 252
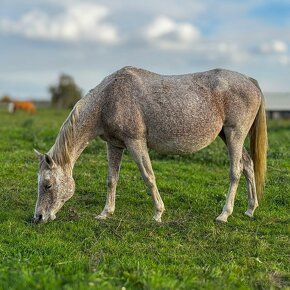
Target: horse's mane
61, 150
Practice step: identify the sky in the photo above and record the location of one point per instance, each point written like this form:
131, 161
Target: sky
39, 40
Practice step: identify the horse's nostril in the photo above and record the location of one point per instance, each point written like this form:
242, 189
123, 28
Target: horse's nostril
37, 218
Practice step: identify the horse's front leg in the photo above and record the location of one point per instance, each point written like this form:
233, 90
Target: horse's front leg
139, 152
114, 156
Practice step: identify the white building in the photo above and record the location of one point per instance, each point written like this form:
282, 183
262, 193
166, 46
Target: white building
278, 105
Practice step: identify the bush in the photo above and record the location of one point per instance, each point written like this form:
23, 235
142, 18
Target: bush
66, 93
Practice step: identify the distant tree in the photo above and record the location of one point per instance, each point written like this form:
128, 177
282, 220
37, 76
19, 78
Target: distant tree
66, 93
5, 99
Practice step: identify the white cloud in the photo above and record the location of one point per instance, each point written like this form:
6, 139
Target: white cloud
276, 46
76, 23
169, 34
229, 51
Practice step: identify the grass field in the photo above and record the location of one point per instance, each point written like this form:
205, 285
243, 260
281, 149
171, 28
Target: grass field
187, 251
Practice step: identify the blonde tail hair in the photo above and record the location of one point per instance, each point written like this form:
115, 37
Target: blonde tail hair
258, 146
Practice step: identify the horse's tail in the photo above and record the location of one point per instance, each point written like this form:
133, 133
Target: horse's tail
258, 146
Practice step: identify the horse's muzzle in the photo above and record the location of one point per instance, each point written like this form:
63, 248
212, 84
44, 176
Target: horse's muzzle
37, 218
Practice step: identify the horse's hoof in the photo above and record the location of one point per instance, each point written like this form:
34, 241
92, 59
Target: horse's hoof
249, 213
157, 219
221, 219
101, 217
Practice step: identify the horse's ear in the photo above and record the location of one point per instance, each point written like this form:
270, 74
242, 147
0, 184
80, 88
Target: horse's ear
38, 154
49, 161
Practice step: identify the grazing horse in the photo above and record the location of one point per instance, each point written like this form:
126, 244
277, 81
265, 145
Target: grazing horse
135, 109
25, 106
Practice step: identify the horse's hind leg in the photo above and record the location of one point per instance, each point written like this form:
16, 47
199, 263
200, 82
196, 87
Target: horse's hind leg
234, 140
248, 170
114, 156
138, 150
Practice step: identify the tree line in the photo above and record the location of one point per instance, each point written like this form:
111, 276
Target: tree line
63, 95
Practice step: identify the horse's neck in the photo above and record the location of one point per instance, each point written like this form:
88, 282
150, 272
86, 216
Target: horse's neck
78, 131
82, 141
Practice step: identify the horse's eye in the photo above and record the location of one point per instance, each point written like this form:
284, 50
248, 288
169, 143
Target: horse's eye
47, 186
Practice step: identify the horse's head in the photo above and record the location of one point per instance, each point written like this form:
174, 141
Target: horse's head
55, 187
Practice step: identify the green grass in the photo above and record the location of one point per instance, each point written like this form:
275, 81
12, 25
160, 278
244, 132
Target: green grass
187, 251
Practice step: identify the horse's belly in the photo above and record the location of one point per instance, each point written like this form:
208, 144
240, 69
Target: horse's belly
174, 147
181, 123
184, 141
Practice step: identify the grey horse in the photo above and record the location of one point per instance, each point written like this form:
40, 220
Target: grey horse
136, 109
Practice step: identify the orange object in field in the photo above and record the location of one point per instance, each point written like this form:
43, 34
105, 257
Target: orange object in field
26, 106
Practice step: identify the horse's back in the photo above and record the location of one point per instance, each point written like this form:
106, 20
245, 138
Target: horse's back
177, 114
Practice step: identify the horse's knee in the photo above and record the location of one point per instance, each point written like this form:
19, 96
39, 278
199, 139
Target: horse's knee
235, 175
111, 181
